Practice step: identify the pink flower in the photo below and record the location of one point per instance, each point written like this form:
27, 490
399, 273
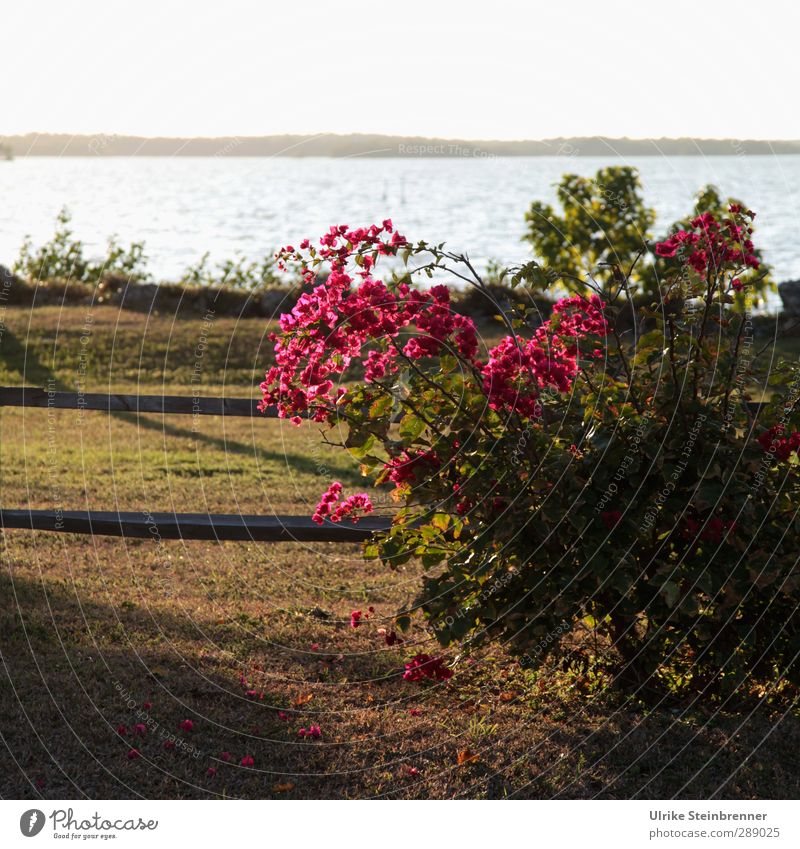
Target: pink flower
312, 731
186, 725
699, 261
774, 442
122, 730
328, 499
414, 712
408, 466
518, 370
352, 506
706, 221
140, 728
715, 528
169, 745
330, 326
225, 756
667, 249
147, 705
211, 771
423, 666
355, 618
133, 754
247, 760
716, 245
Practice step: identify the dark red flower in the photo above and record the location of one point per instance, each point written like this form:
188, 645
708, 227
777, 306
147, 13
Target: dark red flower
611, 518
667, 249
423, 666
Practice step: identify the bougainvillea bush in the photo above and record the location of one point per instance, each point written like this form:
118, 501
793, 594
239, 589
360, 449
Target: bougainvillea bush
587, 473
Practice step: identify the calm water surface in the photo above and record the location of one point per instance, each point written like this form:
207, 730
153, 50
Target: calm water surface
182, 207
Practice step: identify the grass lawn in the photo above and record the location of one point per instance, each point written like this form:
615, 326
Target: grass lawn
251, 642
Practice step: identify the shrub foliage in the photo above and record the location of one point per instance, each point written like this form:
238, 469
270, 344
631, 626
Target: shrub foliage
603, 470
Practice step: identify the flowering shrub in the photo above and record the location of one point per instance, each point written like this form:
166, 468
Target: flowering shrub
576, 471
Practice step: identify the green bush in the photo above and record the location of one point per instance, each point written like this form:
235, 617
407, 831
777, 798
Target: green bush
238, 273
63, 259
605, 230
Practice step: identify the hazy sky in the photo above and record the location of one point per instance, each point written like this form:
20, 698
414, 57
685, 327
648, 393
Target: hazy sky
496, 69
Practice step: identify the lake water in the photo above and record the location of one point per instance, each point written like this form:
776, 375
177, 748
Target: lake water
182, 207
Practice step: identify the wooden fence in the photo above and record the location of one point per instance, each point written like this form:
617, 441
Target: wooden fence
191, 526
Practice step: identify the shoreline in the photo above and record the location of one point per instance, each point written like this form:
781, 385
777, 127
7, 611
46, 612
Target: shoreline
382, 146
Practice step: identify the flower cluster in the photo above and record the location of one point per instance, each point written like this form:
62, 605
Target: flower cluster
712, 530
353, 506
410, 466
774, 442
330, 326
611, 518
518, 370
423, 666
351, 316
711, 244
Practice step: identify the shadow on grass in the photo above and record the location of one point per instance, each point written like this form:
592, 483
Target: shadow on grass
291, 461
75, 668
34, 372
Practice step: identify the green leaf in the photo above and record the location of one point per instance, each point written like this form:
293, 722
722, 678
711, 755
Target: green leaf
669, 590
411, 426
360, 444
381, 406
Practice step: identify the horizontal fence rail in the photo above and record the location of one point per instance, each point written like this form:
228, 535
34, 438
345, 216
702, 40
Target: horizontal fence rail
193, 526
186, 405
187, 526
